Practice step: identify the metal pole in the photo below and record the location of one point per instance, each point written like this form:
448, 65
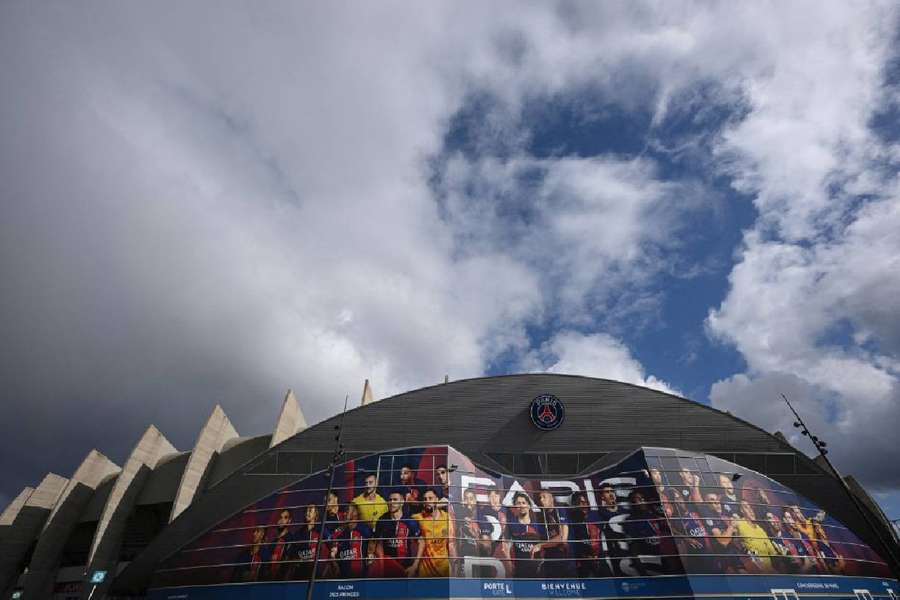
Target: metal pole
820, 447
338, 452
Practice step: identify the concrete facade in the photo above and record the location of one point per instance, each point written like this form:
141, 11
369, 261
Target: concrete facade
12, 511
485, 418
488, 420
214, 435
147, 453
17, 538
94, 470
290, 420
367, 396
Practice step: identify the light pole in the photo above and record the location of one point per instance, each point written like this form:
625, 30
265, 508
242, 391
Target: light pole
821, 447
335, 457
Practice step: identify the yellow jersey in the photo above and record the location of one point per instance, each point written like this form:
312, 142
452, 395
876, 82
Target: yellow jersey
436, 537
757, 542
370, 510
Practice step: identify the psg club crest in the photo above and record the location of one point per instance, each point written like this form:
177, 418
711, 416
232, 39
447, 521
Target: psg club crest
547, 412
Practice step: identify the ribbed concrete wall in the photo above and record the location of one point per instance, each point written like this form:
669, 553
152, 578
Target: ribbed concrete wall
155, 473
367, 396
48, 492
12, 510
215, 433
17, 537
290, 420
93, 471
103, 556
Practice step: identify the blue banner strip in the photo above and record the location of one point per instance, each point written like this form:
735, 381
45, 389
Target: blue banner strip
670, 587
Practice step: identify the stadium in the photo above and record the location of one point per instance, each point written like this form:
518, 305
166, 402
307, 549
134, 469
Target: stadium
524, 486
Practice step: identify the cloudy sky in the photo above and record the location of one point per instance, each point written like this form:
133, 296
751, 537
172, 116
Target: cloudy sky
208, 203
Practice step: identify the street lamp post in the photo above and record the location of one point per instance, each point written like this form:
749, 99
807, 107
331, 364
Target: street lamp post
821, 448
335, 458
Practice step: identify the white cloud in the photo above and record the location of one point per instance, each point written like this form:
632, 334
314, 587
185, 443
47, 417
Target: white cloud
827, 314
206, 205
813, 291
591, 355
594, 230
200, 214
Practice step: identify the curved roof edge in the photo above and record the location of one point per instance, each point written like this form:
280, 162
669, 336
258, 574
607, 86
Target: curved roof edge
399, 397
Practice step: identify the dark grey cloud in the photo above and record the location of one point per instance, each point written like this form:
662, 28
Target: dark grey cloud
857, 438
181, 223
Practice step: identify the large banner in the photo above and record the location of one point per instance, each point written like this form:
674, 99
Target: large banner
605, 524
431, 513
727, 519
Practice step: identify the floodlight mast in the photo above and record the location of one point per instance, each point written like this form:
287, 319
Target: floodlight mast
335, 458
820, 446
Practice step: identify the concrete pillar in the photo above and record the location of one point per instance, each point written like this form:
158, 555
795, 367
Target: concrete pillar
121, 502
20, 526
12, 510
215, 433
94, 470
367, 396
290, 420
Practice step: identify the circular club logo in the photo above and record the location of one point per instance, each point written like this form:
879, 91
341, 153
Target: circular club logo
547, 412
